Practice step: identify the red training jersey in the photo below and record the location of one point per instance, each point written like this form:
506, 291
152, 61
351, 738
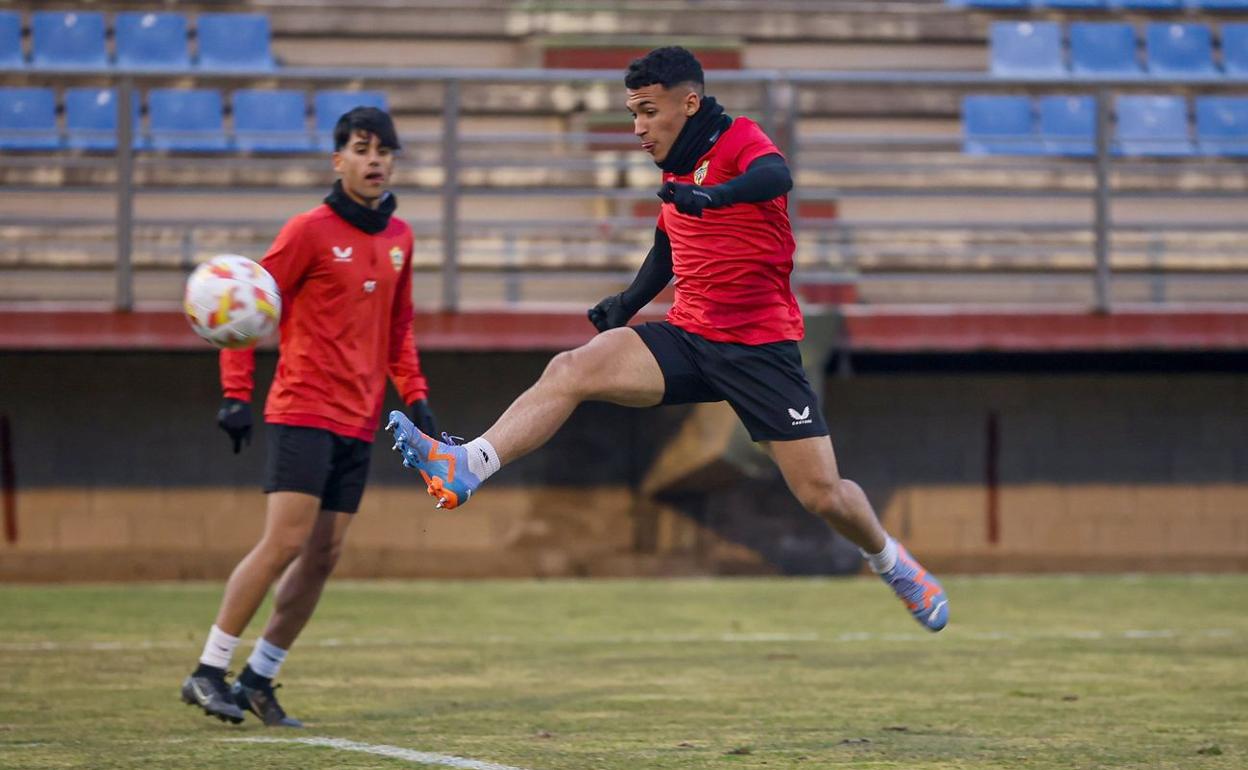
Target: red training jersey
732, 265
346, 323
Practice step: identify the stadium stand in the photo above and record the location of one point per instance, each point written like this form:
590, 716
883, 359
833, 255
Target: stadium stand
271, 121
151, 41
1153, 125
1235, 49
1067, 124
1222, 125
332, 104
1026, 48
186, 119
1179, 50
234, 41
1103, 49
68, 40
91, 119
999, 125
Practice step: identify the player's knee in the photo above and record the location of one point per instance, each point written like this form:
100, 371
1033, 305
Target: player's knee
279, 552
827, 498
567, 372
321, 561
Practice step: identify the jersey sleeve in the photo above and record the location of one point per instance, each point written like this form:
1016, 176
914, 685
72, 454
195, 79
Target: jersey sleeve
287, 261
404, 360
753, 145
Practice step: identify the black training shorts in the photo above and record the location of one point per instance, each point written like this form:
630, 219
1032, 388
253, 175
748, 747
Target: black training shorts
317, 462
764, 384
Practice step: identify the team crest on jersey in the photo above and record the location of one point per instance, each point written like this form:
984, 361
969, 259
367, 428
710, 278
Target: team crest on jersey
396, 258
700, 174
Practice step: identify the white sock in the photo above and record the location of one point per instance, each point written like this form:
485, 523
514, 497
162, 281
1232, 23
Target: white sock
884, 560
218, 649
482, 458
266, 660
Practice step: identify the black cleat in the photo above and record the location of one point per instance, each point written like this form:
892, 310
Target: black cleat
262, 701
212, 694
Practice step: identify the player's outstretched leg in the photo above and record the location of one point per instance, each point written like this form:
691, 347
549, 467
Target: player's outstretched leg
206, 687
919, 589
443, 466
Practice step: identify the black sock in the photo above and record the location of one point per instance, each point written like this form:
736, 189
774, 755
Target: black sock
250, 678
206, 670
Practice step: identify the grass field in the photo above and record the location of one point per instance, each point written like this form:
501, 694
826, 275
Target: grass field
1046, 672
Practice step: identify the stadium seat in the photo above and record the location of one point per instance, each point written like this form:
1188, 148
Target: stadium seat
69, 40
1152, 5
1068, 124
186, 120
1222, 5
1176, 50
1026, 48
151, 41
1153, 125
234, 41
28, 119
1103, 49
330, 105
11, 40
273, 121
1093, 5
998, 125
1235, 50
1222, 125
91, 119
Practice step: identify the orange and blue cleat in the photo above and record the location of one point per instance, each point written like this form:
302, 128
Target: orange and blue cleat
444, 466
919, 589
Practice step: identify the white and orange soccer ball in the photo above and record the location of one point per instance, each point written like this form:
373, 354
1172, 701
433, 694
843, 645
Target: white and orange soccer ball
232, 302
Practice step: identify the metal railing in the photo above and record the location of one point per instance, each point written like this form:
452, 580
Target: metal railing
778, 96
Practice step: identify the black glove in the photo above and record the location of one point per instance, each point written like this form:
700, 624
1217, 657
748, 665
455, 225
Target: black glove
690, 199
610, 313
422, 415
234, 417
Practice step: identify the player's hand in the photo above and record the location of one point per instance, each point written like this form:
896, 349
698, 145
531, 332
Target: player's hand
234, 417
689, 199
423, 417
609, 314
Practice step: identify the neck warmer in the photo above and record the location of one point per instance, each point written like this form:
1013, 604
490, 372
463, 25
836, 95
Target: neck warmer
699, 135
371, 221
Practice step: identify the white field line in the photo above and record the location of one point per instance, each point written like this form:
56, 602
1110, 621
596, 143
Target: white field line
382, 750
642, 639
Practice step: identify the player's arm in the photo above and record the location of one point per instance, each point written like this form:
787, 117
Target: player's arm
286, 261
767, 178
404, 358
654, 275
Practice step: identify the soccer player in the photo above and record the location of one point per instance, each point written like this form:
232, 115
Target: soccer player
723, 232
344, 270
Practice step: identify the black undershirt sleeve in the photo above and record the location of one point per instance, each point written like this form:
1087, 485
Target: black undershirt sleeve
765, 179
654, 274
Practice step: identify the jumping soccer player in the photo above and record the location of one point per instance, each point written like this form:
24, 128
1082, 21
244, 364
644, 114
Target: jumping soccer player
344, 270
723, 232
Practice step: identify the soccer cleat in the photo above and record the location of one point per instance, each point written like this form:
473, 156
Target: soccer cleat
444, 466
212, 694
919, 589
262, 701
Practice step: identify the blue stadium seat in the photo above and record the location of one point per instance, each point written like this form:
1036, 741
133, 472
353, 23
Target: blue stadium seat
28, 119
1235, 50
1026, 48
151, 41
1153, 125
1223, 5
68, 40
272, 121
186, 120
11, 40
1222, 125
1068, 124
1176, 50
331, 105
1152, 5
91, 119
998, 125
234, 41
1103, 49
1076, 4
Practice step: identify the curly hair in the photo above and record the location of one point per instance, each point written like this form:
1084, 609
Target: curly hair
668, 66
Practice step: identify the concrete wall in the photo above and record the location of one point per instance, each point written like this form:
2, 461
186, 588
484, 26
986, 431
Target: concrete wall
121, 472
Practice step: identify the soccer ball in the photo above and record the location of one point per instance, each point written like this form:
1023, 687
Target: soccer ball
232, 302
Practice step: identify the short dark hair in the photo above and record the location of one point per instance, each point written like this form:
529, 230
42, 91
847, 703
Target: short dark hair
669, 66
369, 120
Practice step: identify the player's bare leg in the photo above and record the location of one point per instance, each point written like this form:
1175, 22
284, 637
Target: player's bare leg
809, 468
614, 366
